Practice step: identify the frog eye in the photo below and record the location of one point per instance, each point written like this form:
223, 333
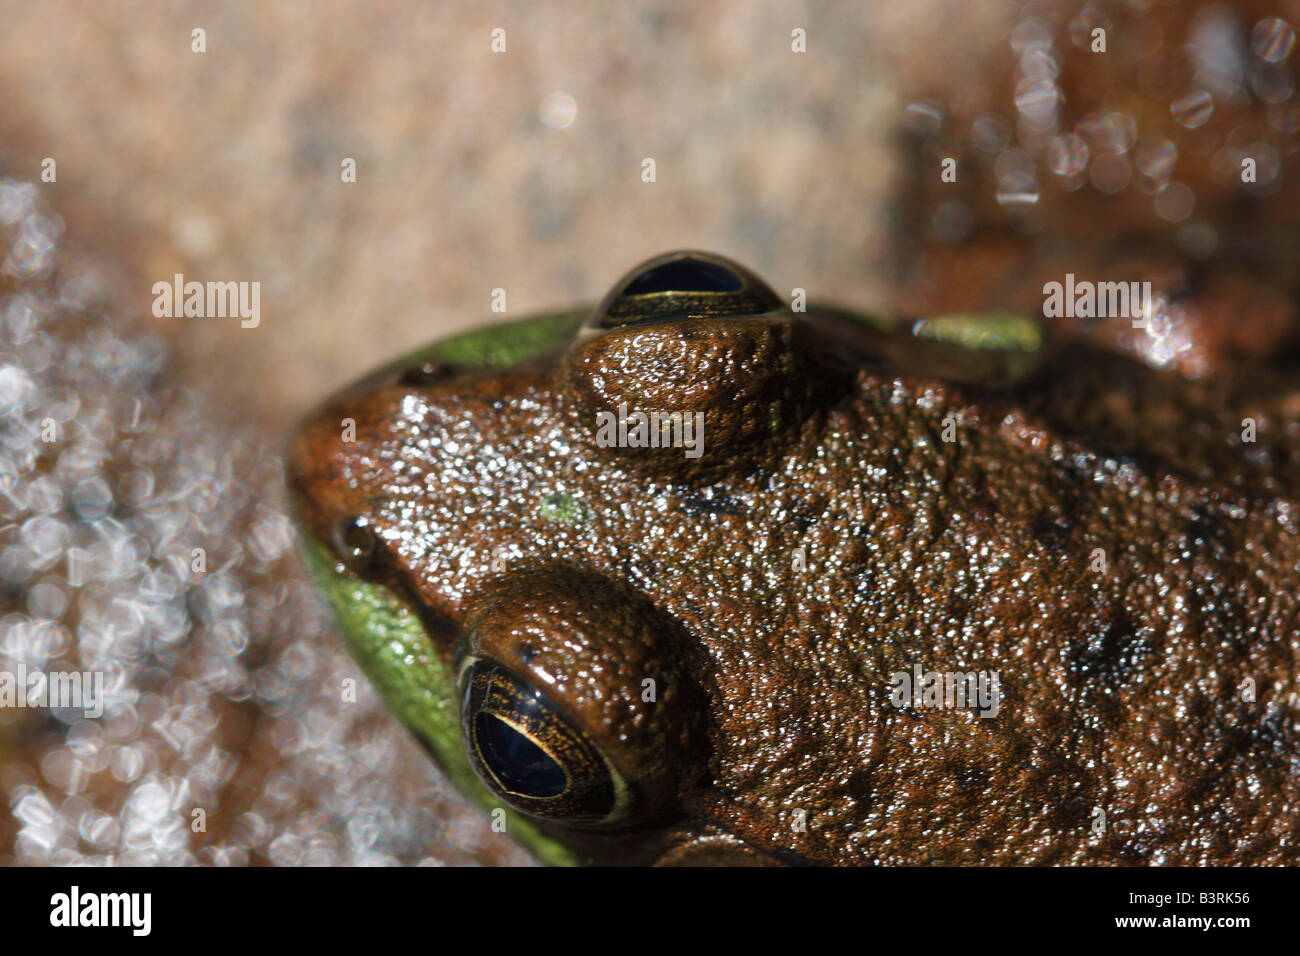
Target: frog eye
358, 544
523, 748
683, 285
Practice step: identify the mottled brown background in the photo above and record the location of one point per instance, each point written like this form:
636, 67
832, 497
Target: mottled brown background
225, 165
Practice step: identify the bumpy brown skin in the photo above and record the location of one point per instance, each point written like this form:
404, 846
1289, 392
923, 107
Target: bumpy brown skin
1122, 688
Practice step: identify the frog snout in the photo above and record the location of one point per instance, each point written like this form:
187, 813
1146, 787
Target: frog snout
329, 470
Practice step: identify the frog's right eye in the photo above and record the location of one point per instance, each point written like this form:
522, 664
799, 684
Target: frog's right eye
526, 750
579, 703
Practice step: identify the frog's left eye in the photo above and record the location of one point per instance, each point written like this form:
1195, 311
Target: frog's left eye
529, 753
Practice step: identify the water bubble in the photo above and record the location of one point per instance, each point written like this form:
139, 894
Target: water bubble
1155, 162
1067, 155
1268, 162
16, 200
1121, 131
1031, 35
1197, 239
1175, 202
364, 830
1272, 39
1084, 23
952, 221
61, 403
991, 134
98, 829
250, 830
1017, 192
1285, 117
1014, 162
86, 743
196, 233
226, 855
286, 850
33, 249
21, 318
923, 119
47, 599
1038, 65
271, 536
1111, 172
46, 538
1272, 82
34, 810
127, 763
1193, 109
44, 495
92, 498
558, 110
138, 487
1109, 132
62, 770
1218, 50
1037, 99
17, 390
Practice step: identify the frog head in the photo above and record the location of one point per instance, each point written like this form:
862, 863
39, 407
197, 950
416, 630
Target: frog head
567, 553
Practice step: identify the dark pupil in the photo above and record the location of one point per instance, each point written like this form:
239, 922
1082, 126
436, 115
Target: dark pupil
684, 275
520, 765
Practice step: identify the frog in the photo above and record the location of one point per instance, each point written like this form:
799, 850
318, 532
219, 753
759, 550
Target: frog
698, 576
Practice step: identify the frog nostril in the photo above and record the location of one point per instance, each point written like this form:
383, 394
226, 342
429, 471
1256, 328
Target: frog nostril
425, 373
682, 285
